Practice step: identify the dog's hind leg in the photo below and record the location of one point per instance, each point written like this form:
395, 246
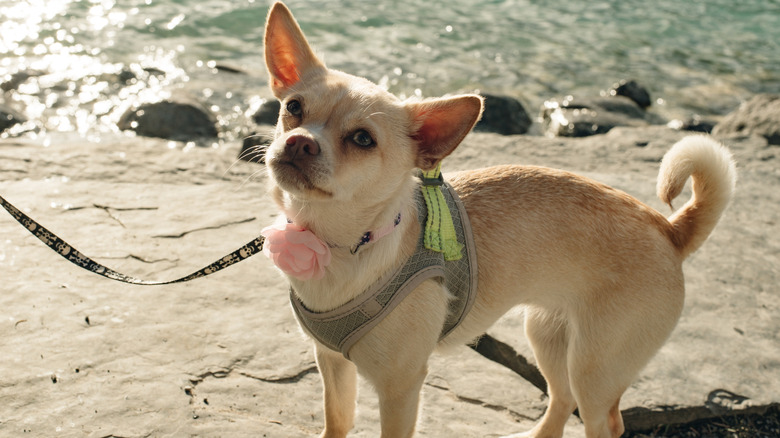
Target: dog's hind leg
339, 381
548, 336
602, 418
600, 370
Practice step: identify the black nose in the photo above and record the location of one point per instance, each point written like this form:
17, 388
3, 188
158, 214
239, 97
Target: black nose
301, 144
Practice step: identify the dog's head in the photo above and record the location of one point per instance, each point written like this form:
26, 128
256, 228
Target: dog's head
340, 137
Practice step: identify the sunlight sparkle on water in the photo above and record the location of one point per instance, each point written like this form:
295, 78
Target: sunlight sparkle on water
23, 20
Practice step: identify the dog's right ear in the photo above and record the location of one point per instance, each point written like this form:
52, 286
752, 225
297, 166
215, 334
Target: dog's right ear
288, 55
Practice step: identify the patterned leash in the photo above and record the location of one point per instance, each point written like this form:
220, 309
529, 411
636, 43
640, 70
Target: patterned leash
77, 258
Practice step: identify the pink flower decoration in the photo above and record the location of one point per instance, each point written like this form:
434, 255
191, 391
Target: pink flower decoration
296, 251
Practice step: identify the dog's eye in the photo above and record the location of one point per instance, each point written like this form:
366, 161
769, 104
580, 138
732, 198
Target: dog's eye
294, 107
363, 139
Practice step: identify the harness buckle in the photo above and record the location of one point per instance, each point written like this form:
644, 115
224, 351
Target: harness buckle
428, 182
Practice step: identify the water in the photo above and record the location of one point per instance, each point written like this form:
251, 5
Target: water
76, 65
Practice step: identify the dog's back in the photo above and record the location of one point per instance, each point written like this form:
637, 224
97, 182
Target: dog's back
599, 271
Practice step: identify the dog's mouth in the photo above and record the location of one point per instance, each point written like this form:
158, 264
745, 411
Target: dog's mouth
292, 178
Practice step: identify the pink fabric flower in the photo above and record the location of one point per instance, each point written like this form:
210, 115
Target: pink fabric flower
296, 251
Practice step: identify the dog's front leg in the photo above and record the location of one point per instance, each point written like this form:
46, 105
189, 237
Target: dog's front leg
339, 381
399, 401
393, 357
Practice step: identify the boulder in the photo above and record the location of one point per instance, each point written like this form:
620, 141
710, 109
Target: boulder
179, 119
268, 113
758, 116
254, 147
503, 115
572, 117
9, 117
694, 124
632, 90
18, 78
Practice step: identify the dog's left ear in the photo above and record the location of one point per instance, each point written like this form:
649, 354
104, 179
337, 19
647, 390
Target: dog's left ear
288, 55
440, 125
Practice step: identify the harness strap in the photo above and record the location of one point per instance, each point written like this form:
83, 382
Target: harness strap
439, 234
340, 328
71, 254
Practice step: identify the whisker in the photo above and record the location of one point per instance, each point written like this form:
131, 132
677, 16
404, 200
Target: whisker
249, 154
248, 179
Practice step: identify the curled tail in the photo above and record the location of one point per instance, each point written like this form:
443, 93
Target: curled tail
714, 176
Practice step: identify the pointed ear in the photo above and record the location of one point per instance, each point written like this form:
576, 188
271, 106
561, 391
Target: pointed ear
287, 54
440, 125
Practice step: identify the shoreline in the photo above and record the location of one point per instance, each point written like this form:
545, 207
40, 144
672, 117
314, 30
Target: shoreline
229, 99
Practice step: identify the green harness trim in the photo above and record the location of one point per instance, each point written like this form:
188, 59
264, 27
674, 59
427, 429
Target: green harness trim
439, 234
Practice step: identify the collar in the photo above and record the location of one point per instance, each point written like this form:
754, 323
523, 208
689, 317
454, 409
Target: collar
300, 253
368, 236
373, 236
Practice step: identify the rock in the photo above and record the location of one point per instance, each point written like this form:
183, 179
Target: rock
179, 119
583, 117
9, 117
18, 78
229, 69
254, 147
503, 115
760, 116
632, 90
693, 124
126, 76
268, 113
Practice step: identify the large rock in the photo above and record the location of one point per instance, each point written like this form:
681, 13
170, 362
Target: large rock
9, 117
582, 117
179, 119
759, 116
268, 113
503, 115
632, 90
694, 123
254, 146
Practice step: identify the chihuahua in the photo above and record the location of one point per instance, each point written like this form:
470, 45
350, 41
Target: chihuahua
599, 273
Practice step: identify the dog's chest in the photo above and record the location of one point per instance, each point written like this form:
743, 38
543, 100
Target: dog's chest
340, 328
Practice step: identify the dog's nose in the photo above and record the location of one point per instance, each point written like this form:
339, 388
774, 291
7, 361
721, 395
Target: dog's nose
301, 144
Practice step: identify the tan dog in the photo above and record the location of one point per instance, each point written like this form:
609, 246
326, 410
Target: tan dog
599, 272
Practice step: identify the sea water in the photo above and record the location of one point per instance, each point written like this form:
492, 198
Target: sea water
74, 65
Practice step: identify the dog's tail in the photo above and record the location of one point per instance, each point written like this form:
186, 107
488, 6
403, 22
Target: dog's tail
714, 176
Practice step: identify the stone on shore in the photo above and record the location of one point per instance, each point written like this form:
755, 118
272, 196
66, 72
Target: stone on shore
632, 90
180, 119
503, 115
582, 117
758, 116
268, 113
254, 146
694, 123
9, 117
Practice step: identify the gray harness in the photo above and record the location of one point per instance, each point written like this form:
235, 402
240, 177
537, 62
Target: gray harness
339, 329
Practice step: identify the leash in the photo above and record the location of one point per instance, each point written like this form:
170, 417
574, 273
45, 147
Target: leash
71, 254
